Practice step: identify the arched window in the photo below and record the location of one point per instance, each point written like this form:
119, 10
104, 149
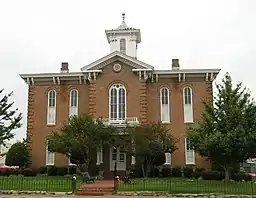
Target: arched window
73, 102
123, 46
188, 106
165, 104
51, 110
117, 102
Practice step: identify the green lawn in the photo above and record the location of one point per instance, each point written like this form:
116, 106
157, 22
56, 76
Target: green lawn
38, 183
175, 186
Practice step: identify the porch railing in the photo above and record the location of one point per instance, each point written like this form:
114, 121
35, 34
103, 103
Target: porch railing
124, 122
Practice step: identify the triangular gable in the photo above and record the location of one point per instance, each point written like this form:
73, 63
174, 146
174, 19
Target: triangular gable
116, 56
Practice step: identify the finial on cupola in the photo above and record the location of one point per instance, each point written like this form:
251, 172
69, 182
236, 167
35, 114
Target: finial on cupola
123, 16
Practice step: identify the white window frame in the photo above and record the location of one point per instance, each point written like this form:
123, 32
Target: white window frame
189, 152
69, 162
168, 105
168, 158
73, 109
114, 86
188, 108
122, 50
47, 157
51, 110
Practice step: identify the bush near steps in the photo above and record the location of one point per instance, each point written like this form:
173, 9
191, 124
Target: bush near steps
191, 172
45, 170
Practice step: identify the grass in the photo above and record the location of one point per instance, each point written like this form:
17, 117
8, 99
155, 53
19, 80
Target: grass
187, 186
38, 183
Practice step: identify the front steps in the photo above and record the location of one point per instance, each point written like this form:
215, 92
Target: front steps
99, 188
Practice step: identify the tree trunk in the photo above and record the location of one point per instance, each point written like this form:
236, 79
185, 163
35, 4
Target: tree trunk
226, 174
143, 169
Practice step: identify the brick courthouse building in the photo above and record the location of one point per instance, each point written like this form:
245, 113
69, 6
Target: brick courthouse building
120, 88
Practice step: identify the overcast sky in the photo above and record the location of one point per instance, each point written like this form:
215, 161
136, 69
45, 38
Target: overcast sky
36, 36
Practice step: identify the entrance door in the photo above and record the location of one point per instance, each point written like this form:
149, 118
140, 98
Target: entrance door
117, 155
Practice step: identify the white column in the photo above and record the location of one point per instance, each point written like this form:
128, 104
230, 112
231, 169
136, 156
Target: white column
99, 156
133, 160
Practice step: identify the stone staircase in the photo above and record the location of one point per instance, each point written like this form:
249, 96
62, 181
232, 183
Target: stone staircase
99, 188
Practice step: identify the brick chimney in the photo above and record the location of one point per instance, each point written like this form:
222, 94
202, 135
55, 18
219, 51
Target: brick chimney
175, 64
64, 67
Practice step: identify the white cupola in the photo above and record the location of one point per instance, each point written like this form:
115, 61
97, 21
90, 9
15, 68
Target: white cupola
124, 39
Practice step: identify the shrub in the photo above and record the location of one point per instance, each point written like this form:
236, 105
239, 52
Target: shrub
198, 172
5, 172
72, 170
176, 171
188, 172
211, 175
166, 171
61, 171
42, 170
241, 177
155, 172
247, 177
135, 173
17, 155
51, 171
17, 171
28, 172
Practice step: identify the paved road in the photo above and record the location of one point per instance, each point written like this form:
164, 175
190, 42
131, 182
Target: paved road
71, 196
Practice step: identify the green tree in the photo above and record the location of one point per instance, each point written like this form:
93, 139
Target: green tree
226, 134
8, 118
150, 142
18, 155
79, 138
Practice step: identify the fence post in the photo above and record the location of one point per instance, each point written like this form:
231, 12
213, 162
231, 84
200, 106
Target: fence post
170, 186
73, 184
252, 188
197, 187
225, 187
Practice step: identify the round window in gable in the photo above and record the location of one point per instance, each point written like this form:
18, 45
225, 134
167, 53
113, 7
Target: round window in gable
117, 67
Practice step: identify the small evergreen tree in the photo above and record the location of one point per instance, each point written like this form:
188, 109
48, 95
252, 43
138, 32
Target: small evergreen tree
8, 118
18, 155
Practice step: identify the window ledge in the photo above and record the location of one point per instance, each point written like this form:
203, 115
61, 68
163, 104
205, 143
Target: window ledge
49, 164
189, 122
190, 163
50, 125
72, 165
167, 164
165, 122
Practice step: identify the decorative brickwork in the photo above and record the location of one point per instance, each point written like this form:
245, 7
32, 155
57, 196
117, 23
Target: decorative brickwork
209, 91
143, 102
30, 116
92, 98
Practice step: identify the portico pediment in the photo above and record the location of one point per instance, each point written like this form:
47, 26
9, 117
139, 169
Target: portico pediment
117, 56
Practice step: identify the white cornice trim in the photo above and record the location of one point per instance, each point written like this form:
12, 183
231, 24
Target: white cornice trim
112, 55
47, 75
142, 69
187, 71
